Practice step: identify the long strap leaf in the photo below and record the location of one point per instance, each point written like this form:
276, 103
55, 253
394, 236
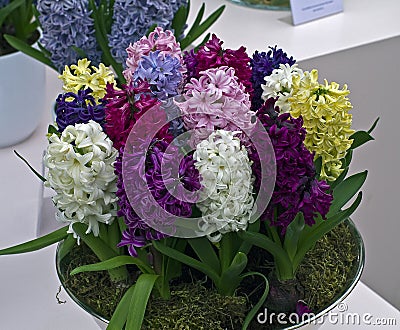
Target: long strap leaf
308, 241
102, 251
38, 243
141, 294
230, 278
206, 253
293, 232
29, 50
113, 263
120, 314
172, 253
345, 190
5, 11
257, 306
198, 29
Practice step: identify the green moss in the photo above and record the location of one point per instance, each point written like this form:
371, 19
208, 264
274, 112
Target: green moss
328, 267
193, 307
94, 289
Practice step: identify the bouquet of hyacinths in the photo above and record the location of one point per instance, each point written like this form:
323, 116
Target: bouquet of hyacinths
101, 30
199, 164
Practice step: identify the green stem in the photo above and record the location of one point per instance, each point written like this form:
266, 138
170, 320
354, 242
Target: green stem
160, 264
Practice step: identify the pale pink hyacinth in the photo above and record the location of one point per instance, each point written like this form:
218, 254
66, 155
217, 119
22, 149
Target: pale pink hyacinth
159, 39
216, 101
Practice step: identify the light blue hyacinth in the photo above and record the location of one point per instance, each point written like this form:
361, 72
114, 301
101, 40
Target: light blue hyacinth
67, 23
133, 18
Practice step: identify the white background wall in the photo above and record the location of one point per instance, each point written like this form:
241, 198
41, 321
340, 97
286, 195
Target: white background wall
372, 73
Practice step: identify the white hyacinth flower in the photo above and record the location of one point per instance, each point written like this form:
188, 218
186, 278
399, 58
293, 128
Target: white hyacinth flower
279, 85
226, 198
80, 170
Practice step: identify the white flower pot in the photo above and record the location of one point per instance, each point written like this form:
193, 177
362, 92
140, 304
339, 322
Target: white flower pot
22, 97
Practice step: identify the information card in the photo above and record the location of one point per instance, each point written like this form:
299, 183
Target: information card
308, 10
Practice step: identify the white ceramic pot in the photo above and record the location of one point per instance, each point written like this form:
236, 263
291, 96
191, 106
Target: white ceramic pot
22, 97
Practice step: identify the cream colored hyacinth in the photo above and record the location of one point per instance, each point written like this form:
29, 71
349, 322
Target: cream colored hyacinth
82, 76
325, 111
226, 199
279, 85
80, 171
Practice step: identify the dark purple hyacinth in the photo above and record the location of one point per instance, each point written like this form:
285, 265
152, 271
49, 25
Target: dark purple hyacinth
139, 232
296, 189
262, 65
74, 108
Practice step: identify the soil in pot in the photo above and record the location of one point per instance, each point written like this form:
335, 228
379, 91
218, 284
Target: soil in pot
195, 305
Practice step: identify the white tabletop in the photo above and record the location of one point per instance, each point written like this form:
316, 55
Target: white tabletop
362, 22
28, 283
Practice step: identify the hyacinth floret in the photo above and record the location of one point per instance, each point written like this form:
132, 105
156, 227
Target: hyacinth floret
138, 231
212, 55
297, 188
81, 172
226, 197
77, 108
132, 19
163, 41
124, 107
217, 100
325, 112
162, 72
278, 85
81, 76
67, 24
262, 65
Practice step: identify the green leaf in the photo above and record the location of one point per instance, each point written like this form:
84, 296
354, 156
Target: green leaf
191, 262
81, 53
264, 242
7, 10
29, 50
373, 125
318, 166
179, 21
229, 246
113, 263
30, 167
197, 31
120, 314
230, 278
246, 246
101, 250
340, 178
173, 267
141, 294
66, 246
309, 240
206, 253
345, 190
259, 304
359, 138
292, 235
38, 243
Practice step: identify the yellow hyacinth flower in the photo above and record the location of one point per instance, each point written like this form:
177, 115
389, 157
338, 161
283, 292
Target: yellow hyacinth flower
81, 76
324, 108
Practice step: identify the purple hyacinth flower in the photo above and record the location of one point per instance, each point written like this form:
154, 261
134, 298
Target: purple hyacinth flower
74, 108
